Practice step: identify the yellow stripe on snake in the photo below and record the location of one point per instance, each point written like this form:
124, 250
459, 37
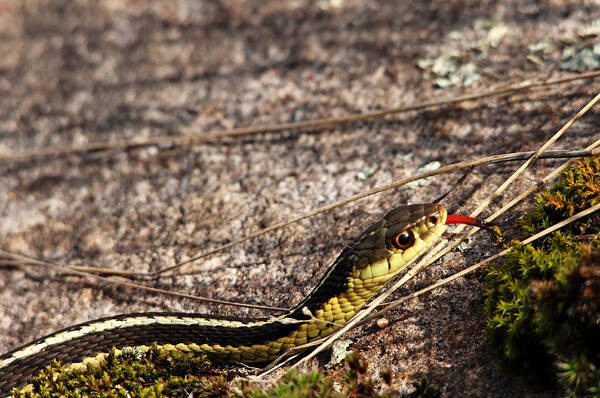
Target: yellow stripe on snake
362, 269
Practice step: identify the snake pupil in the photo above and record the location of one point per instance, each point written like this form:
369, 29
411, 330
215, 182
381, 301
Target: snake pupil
404, 240
432, 221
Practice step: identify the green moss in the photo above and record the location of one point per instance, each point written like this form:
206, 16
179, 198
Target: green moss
543, 301
154, 373
577, 189
157, 373
356, 384
294, 385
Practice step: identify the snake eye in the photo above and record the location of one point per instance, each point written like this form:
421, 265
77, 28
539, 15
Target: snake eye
432, 221
404, 240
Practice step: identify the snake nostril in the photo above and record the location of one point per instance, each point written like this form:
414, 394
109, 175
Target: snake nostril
432, 221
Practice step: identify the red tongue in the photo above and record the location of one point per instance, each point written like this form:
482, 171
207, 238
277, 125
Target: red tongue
457, 219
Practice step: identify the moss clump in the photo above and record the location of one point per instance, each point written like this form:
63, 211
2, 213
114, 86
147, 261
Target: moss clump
294, 385
356, 384
157, 373
543, 301
153, 373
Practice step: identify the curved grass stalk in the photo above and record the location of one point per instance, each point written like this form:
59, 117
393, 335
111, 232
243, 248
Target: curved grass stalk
194, 138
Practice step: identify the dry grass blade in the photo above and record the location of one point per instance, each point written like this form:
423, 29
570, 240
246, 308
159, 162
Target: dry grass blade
590, 151
442, 247
438, 248
539, 153
394, 304
534, 188
373, 305
398, 183
190, 138
534, 157
28, 260
24, 261
90, 271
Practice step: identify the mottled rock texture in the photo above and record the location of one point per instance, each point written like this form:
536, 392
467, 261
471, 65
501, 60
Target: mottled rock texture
74, 72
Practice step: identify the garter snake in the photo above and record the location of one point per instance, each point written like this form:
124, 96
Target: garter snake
361, 270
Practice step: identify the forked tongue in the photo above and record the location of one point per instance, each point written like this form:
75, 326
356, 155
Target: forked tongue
458, 219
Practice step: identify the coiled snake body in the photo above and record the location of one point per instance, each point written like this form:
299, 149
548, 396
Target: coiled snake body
362, 269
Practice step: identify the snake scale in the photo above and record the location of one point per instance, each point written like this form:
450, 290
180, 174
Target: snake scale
361, 270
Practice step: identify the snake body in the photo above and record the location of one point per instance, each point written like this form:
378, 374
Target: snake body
361, 270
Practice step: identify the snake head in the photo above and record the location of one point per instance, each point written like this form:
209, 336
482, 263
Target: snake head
402, 235
380, 253
408, 231
406, 224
